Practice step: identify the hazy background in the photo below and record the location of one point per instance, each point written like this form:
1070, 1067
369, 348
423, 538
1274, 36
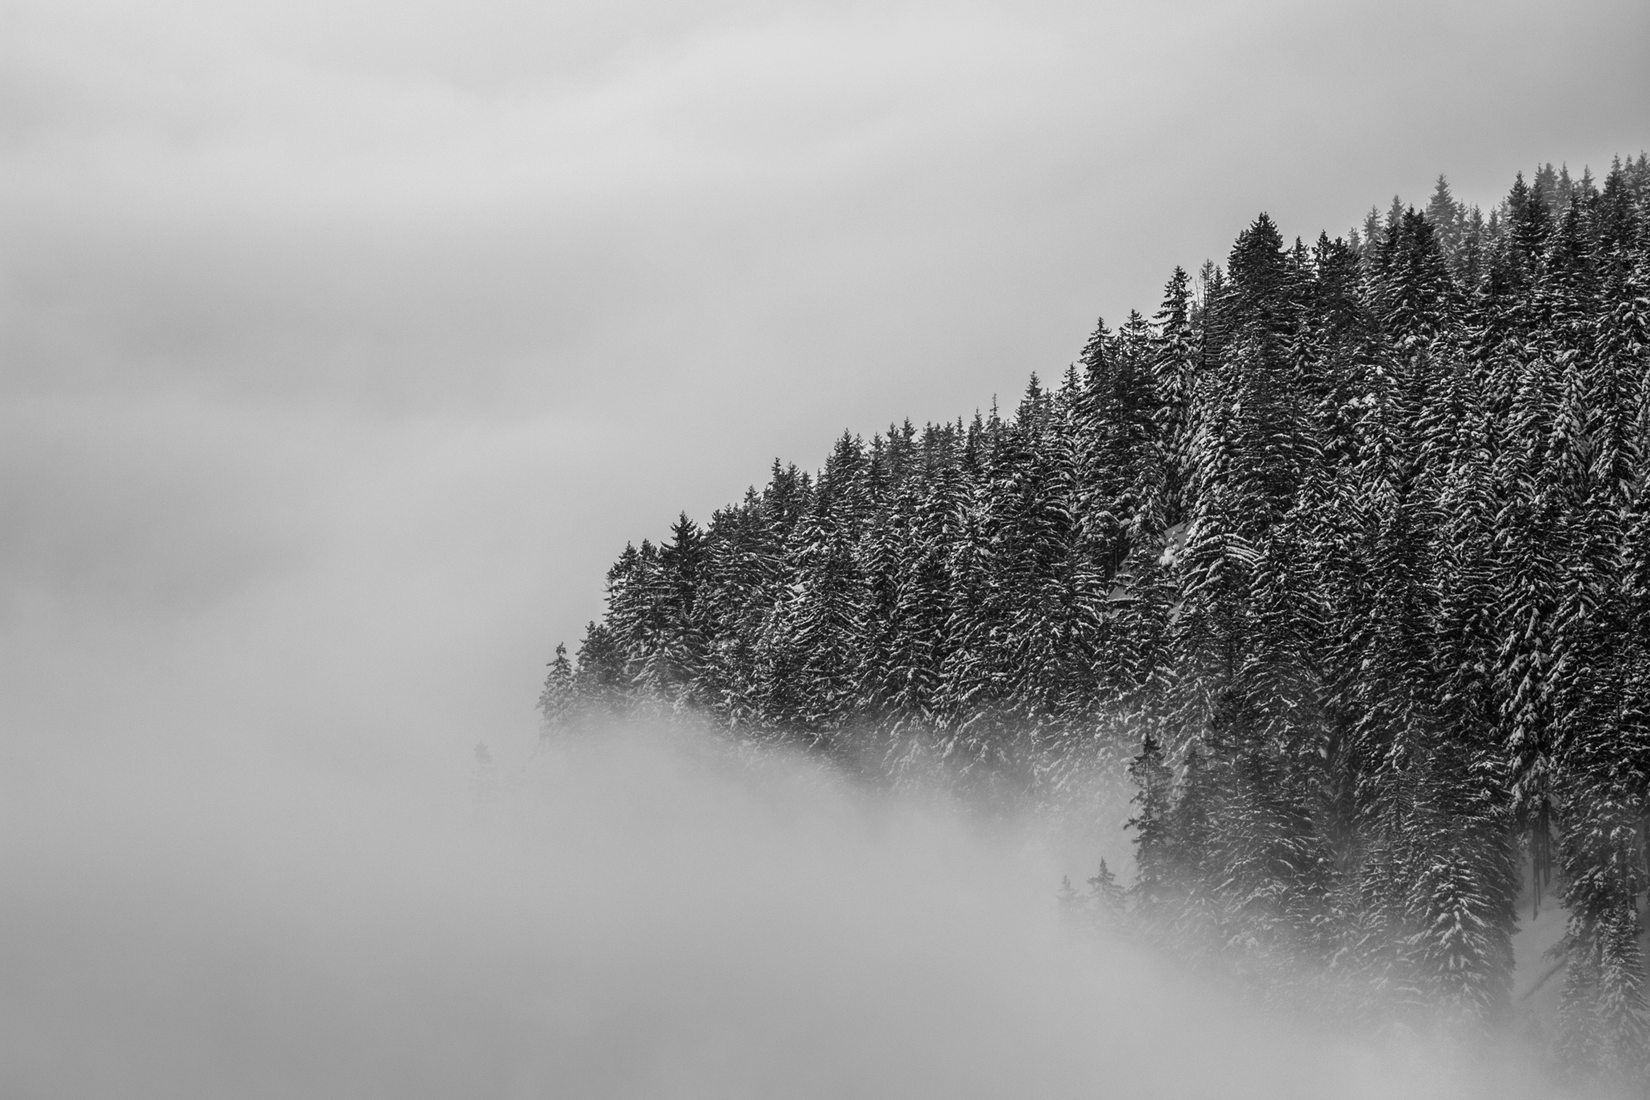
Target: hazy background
343, 347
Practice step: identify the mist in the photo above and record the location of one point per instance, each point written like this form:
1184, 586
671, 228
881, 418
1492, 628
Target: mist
343, 346
635, 914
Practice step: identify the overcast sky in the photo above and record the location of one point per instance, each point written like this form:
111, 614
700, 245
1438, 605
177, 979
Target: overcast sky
342, 347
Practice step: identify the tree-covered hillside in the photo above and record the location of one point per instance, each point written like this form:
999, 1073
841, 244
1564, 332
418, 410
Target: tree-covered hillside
1343, 554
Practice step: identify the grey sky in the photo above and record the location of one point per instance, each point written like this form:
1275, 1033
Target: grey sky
344, 348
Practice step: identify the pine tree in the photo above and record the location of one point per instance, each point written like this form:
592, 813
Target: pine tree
1446, 218
1156, 860
1108, 899
558, 701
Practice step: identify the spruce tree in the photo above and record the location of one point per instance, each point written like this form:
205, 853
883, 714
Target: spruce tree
558, 700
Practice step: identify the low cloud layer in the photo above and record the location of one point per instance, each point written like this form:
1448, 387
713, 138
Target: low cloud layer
634, 916
343, 348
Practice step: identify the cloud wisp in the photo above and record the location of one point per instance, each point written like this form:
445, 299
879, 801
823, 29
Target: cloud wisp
640, 915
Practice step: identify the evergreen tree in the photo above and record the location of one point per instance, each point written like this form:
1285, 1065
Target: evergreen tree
558, 701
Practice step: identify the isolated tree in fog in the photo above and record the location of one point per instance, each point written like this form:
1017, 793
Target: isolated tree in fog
559, 697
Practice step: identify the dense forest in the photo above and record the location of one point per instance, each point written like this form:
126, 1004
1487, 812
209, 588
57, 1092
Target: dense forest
1342, 557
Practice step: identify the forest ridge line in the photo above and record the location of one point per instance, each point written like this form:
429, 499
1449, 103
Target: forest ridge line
1343, 557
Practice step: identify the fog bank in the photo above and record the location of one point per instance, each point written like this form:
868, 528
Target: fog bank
634, 916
